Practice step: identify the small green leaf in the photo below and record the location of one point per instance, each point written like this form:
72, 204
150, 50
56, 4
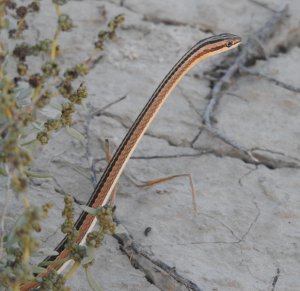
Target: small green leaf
55, 106
37, 125
41, 175
91, 280
3, 172
53, 263
45, 252
89, 210
23, 93
37, 269
75, 133
90, 256
31, 146
12, 237
51, 110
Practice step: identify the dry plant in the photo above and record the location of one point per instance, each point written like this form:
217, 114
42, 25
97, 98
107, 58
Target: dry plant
24, 93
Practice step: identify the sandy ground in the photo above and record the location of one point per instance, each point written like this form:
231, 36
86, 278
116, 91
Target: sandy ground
245, 234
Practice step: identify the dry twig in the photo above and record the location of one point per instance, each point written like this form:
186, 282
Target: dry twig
157, 272
249, 53
151, 183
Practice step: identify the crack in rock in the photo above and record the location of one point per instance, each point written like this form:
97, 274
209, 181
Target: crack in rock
253, 222
156, 271
272, 80
264, 5
235, 150
227, 148
275, 279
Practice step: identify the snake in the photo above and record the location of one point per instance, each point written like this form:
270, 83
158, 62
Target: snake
202, 50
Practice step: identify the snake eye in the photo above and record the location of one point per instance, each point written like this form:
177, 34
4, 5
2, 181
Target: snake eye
229, 43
